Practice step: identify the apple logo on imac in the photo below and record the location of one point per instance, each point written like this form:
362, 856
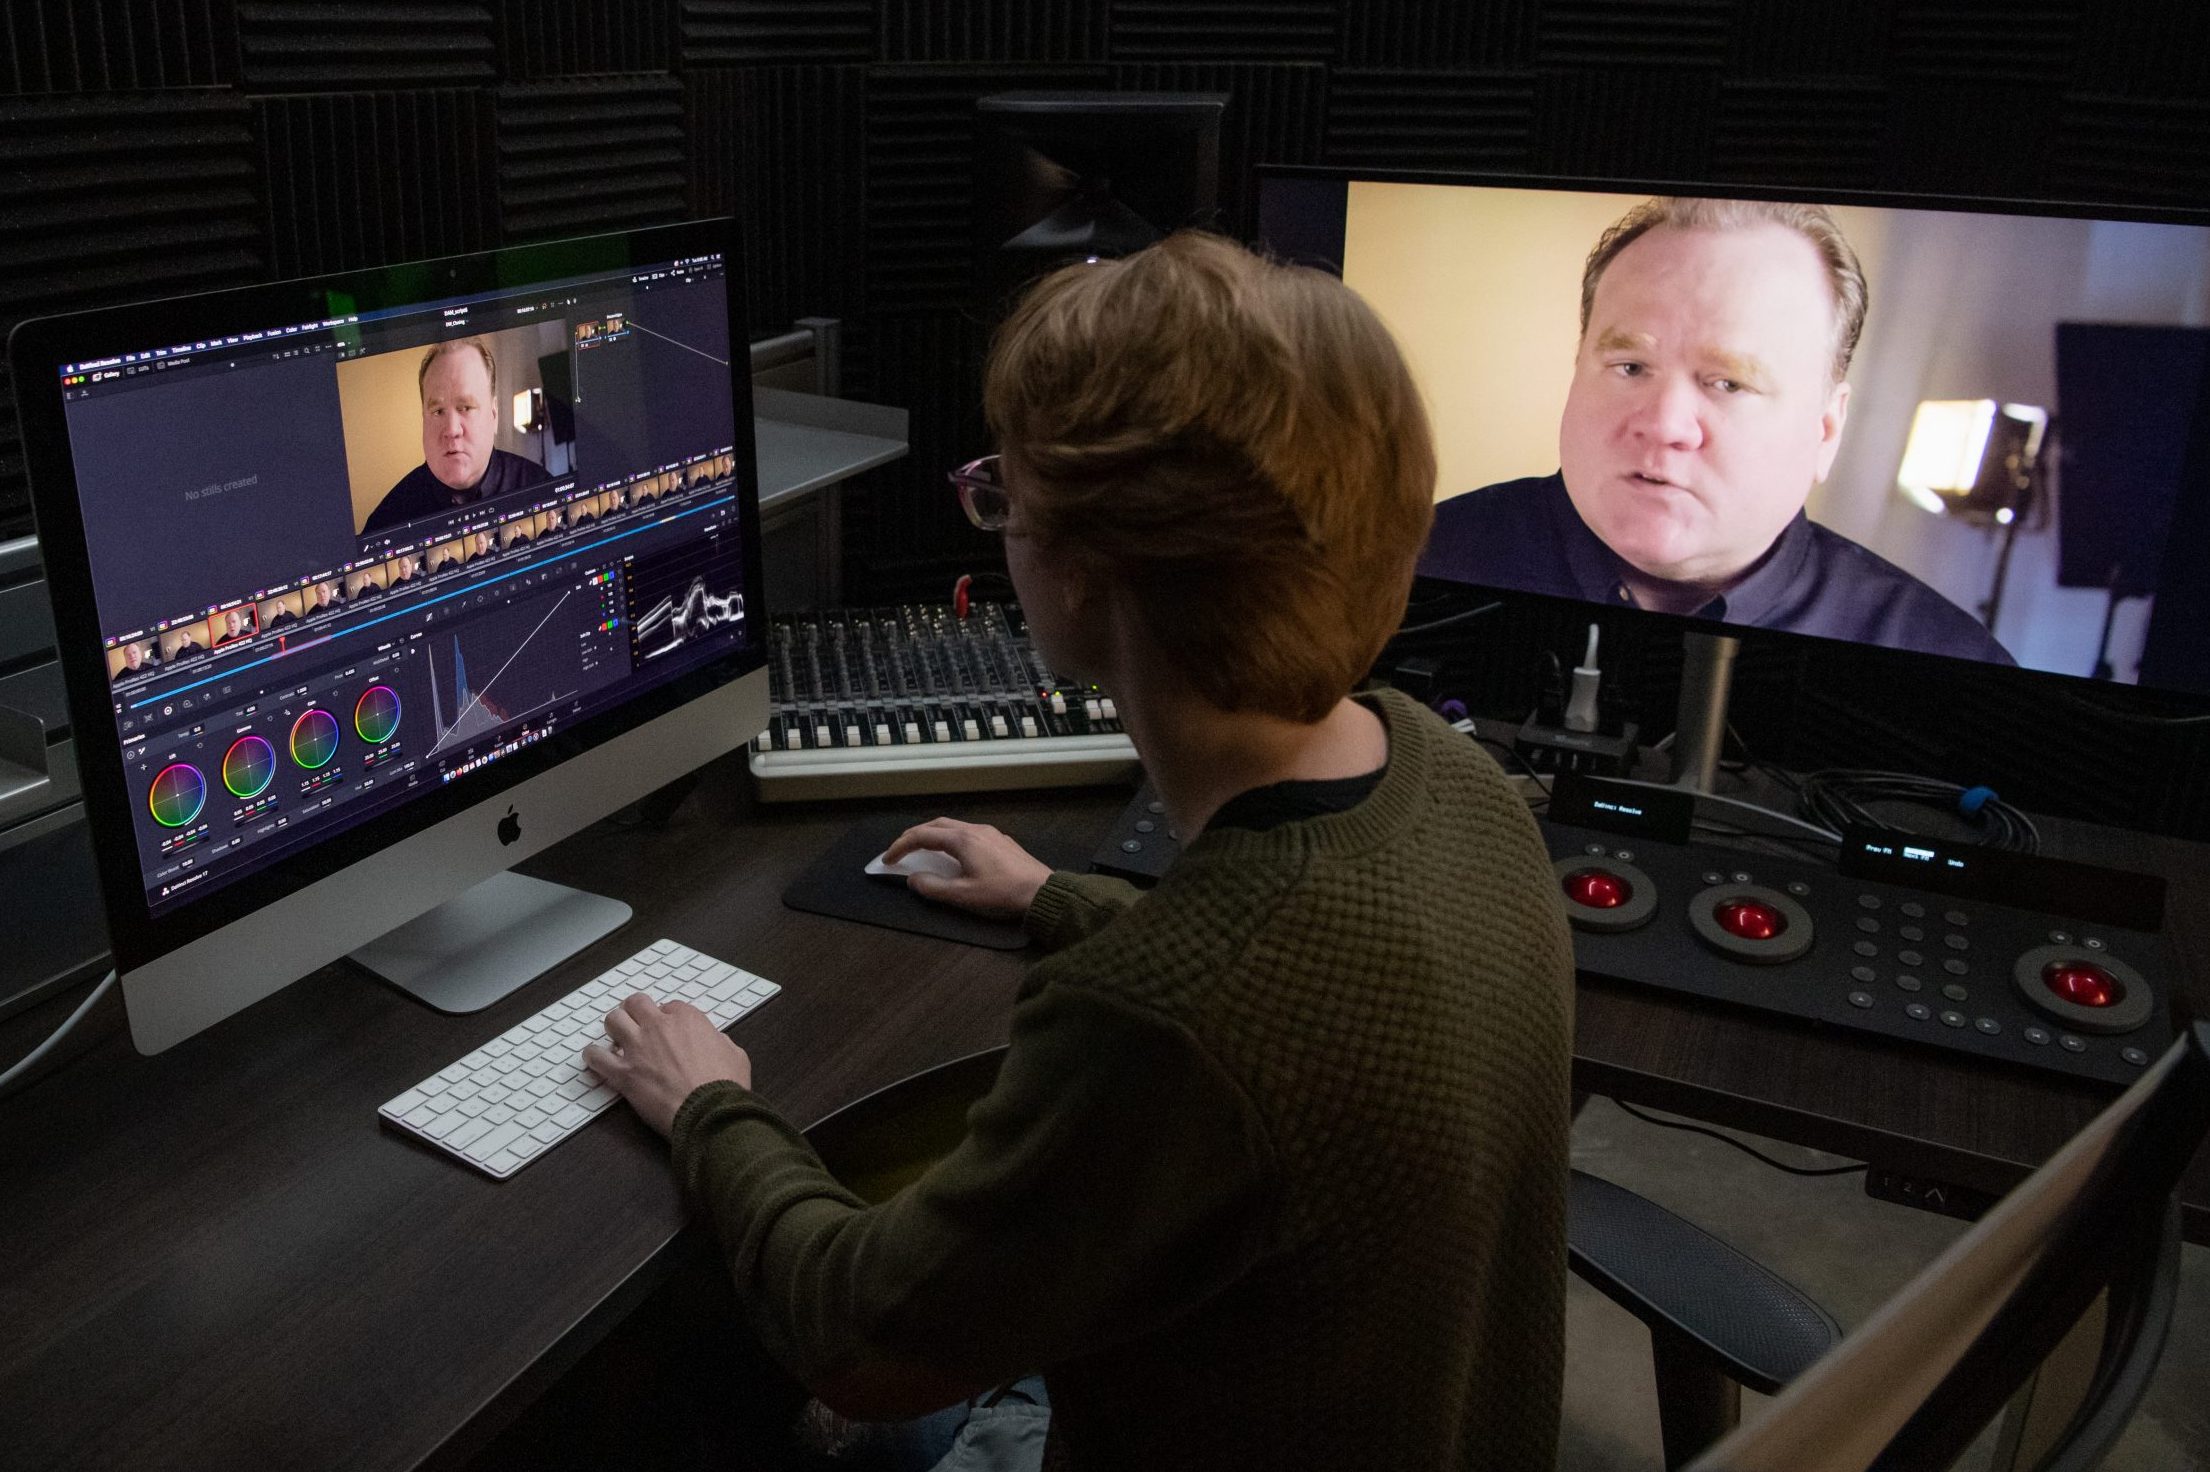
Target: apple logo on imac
510, 827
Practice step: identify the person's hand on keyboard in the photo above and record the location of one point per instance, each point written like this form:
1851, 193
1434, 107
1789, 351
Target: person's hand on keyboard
997, 876
661, 1053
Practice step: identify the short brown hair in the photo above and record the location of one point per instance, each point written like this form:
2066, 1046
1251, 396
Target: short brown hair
1238, 442
454, 345
1845, 278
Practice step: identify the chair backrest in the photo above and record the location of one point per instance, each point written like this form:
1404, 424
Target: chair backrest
880, 1144
2068, 1278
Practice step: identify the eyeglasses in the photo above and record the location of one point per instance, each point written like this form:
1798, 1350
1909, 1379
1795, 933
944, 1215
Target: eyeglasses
982, 493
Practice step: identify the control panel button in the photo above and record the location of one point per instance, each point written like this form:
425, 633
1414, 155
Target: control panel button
2093, 943
1865, 948
2071, 1044
1955, 993
2060, 937
2134, 1056
1860, 999
1956, 917
1868, 901
1952, 1018
1914, 909
1741, 877
1909, 983
1956, 943
1910, 958
2038, 1036
1917, 1011
1955, 967
1863, 973
1593, 850
1987, 1025
1798, 888
1911, 932
1868, 925
1713, 876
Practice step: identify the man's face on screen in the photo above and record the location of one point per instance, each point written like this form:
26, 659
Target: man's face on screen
458, 418
1703, 406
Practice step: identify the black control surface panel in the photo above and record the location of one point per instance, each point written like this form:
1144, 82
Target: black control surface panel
1787, 936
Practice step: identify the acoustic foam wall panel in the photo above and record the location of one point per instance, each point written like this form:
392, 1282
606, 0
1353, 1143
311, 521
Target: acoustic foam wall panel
2020, 41
333, 45
920, 173
736, 32
1953, 137
1645, 122
1435, 35
567, 38
1814, 134
783, 148
1774, 39
2123, 147
1225, 30
993, 30
579, 157
1431, 120
898, 533
1275, 115
1600, 33
116, 45
364, 178
117, 198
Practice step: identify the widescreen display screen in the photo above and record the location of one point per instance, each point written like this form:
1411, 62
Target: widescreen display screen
1961, 432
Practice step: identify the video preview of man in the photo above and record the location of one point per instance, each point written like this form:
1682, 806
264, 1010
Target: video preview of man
230, 627
458, 385
1708, 398
134, 658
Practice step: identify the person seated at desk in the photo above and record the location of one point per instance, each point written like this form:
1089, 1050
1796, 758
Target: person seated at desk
1274, 1172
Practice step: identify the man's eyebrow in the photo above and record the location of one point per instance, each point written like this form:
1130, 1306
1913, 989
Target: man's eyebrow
1743, 368
1612, 339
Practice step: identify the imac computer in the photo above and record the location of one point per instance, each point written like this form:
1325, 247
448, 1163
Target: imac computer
1975, 431
370, 586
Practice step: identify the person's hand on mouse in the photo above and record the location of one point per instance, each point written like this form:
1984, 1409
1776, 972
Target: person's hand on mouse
997, 876
661, 1053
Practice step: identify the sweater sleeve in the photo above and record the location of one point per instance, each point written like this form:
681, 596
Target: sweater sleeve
1072, 907
1113, 1178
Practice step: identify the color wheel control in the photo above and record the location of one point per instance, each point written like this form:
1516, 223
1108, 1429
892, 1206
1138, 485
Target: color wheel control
249, 766
315, 739
178, 793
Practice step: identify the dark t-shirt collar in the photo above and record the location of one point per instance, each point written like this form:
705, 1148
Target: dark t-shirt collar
1598, 571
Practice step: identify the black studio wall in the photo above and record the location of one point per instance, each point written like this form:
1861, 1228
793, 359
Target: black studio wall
155, 146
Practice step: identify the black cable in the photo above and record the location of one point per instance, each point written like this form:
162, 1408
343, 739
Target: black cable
1819, 849
1697, 1129
1445, 622
1838, 799
1513, 752
2139, 717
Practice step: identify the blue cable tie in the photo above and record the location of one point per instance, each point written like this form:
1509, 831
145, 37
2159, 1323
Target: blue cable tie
1972, 799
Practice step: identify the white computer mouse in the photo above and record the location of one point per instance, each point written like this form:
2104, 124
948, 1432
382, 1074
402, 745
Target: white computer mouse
920, 861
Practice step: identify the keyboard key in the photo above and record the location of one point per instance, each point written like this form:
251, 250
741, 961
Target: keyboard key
525, 1091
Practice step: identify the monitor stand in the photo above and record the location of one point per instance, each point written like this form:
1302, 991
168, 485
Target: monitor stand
486, 941
1700, 728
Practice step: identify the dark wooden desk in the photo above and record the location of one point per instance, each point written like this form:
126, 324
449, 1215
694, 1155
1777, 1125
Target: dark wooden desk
218, 1258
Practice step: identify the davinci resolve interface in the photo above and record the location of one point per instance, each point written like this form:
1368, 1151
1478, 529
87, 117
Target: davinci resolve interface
296, 643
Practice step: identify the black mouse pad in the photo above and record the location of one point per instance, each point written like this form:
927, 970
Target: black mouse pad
837, 885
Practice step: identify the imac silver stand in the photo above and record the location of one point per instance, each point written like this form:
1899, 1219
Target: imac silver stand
486, 941
1700, 729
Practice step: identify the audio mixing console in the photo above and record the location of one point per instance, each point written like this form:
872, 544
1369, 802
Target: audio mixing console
877, 702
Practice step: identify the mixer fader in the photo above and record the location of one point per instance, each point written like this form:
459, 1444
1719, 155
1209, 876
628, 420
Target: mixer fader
913, 698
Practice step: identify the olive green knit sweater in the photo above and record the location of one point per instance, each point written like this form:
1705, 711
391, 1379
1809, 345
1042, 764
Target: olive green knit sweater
1273, 1176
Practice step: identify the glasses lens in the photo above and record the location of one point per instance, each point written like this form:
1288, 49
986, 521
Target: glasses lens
980, 494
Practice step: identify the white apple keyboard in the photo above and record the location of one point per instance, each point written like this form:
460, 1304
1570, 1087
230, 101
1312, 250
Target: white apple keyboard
526, 1090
